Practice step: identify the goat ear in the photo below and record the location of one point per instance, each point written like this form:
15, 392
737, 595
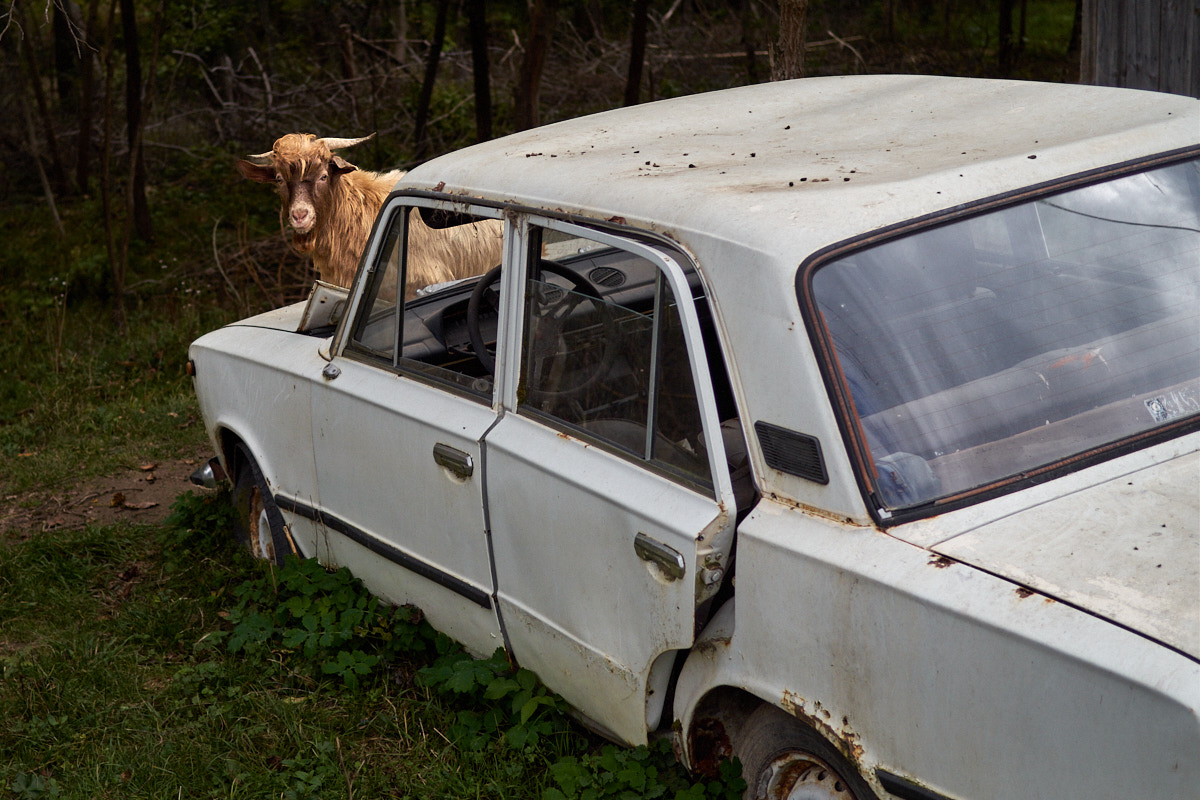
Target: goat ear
340, 165
256, 172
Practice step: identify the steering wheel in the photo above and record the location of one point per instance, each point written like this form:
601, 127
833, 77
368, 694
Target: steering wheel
554, 308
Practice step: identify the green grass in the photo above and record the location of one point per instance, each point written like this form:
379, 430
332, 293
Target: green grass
161, 662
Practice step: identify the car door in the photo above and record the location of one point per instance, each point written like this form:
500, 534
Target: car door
396, 426
610, 505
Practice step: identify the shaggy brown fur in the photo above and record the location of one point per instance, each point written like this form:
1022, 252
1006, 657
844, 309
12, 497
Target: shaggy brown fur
331, 206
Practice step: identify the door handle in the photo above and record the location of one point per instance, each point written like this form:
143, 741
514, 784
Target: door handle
666, 558
460, 464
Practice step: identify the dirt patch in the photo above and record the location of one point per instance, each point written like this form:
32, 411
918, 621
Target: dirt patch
141, 494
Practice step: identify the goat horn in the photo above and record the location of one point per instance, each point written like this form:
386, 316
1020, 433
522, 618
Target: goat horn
262, 159
339, 144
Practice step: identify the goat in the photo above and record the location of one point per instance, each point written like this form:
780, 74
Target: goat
331, 206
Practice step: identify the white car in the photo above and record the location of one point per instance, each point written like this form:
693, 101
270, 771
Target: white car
849, 425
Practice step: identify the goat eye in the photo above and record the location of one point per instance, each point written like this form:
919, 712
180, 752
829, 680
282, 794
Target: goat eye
323, 178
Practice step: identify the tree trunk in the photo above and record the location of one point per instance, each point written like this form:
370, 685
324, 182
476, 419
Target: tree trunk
87, 98
58, 175
118, 253
789, 57
749, 40
1005, 54
541, 29
431, 68
1073, 46
134, 123
637, 51
477, 22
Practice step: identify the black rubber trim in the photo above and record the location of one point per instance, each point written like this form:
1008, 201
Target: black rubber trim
397, 556
904, 788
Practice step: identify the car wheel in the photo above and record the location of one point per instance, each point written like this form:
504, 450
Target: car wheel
783, 759
259, 525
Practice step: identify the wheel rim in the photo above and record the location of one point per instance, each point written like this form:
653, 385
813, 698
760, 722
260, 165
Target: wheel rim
802, 776
262, 543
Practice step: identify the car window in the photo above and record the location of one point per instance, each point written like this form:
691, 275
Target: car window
999, 344
604, 354
423, 331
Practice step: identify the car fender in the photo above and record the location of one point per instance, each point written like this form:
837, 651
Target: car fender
850, 630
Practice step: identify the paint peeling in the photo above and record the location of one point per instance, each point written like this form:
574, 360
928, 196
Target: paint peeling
817, 717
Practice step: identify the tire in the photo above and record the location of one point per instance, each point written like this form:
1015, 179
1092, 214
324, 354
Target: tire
783, 759
258, 524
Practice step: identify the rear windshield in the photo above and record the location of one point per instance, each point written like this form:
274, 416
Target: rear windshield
995, 345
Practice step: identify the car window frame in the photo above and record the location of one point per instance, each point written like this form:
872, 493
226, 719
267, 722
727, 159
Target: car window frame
837, 387
344, 345
520, 250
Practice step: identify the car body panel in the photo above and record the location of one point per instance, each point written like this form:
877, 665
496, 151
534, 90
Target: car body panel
571, 513
256, 388
366, 425
934, 670
1143, 573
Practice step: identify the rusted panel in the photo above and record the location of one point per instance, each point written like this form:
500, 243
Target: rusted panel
709, 744
821, 719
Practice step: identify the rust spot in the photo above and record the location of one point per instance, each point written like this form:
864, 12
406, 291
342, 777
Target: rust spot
616, 220
441, 185
1086, 359
1022, 592
713, 646
710, 744
940, 562
816, 716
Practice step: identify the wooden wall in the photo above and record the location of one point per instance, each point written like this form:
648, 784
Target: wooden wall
1142, 44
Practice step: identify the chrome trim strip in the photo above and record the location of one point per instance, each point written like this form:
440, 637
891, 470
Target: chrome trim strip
444, 579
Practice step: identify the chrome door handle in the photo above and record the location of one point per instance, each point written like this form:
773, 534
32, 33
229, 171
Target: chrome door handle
460, 464
666, 558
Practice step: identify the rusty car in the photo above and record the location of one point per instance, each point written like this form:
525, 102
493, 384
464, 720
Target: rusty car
848, 425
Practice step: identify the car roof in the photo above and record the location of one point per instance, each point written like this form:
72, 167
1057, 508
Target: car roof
791, 166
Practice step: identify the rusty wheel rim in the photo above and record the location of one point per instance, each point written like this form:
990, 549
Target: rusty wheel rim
802, 776
262, 544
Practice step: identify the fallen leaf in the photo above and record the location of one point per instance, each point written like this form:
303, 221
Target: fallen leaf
140, 506
118, 500
147, 467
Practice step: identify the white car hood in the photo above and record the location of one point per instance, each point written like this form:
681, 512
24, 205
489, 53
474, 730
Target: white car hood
1126, 549
286, 318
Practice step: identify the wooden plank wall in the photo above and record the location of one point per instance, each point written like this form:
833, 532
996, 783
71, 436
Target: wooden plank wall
1142, 44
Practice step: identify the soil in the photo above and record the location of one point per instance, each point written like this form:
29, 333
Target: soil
140, 494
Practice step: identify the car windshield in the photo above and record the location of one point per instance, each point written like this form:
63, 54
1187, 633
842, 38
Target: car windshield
996, 345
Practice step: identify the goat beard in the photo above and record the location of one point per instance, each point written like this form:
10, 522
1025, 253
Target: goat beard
303, 243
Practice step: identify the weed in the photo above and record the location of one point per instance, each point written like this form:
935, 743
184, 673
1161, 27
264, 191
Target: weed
33, 787
498, 701
643, 772
325, 619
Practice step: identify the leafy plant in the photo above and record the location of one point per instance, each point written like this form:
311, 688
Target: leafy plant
328, 620
643, 772
499, 700
33, 787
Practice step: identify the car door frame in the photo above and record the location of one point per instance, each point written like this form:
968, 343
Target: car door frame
704, 561
460, 603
